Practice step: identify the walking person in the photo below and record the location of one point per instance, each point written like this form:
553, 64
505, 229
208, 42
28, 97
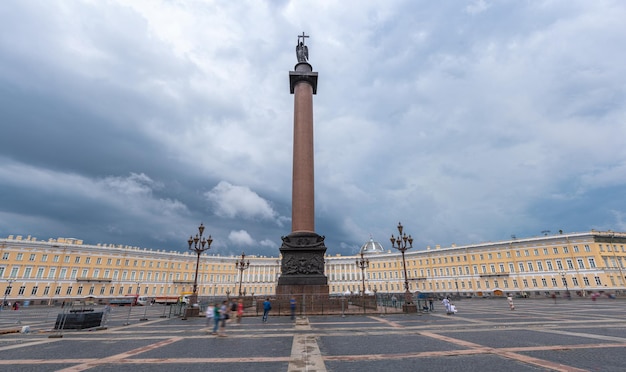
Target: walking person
431, 304
210, 313
446, 304
239, 310
292, 307
216, 318
267, 306
106, 314
223, 318
509, 299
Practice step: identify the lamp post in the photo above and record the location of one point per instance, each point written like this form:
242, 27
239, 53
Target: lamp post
131, 304
242, 265
565, 283
403, 243
198, 245
362, 264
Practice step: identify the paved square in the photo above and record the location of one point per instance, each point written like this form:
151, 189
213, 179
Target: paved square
576, 335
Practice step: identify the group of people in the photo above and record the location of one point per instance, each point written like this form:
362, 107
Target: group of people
450, 307
220, 314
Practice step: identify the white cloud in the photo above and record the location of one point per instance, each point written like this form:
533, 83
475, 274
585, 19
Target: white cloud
239, 201
240, 237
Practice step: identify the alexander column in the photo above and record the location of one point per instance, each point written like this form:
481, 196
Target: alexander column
303, 249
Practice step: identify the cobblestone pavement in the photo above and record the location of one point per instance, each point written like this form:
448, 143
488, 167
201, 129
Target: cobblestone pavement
539, 335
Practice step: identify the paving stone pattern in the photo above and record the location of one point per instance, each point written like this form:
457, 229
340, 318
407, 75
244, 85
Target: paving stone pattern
539, 335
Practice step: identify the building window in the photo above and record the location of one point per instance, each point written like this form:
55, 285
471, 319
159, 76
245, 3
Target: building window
598, 281
46, 290
66, 259
55, 258
559, 265
80, 290
19, 257
44, 258
98, 260
585, 280
544, 282
88, 260
587, 248
592, 262
581, 264
521, 267
69, 290
575, 281
57, 291
525, 283
554, 282
534, 282
575, 249
539, 266
21, 291
530, 266
31, 257
77, 259
5, 256
565, 250
555, 250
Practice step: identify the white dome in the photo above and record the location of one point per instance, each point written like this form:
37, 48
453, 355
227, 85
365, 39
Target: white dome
372, 247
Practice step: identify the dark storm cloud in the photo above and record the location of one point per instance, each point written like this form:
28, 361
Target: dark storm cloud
132, 122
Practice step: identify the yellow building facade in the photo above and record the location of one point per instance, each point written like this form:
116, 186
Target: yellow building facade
57, 270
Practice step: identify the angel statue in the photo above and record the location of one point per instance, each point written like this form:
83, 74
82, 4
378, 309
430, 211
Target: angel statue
302, 52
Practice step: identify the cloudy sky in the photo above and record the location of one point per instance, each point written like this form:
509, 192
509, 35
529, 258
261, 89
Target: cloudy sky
130, 122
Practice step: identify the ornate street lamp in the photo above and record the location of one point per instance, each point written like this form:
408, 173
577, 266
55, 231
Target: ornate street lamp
362, 264
403, 243
198, 245
242, 265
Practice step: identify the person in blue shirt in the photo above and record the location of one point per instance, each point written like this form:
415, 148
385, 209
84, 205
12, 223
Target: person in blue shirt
267, 306
292, 307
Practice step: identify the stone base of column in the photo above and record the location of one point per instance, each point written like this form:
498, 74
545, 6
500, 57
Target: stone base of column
302, 266
295, 290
